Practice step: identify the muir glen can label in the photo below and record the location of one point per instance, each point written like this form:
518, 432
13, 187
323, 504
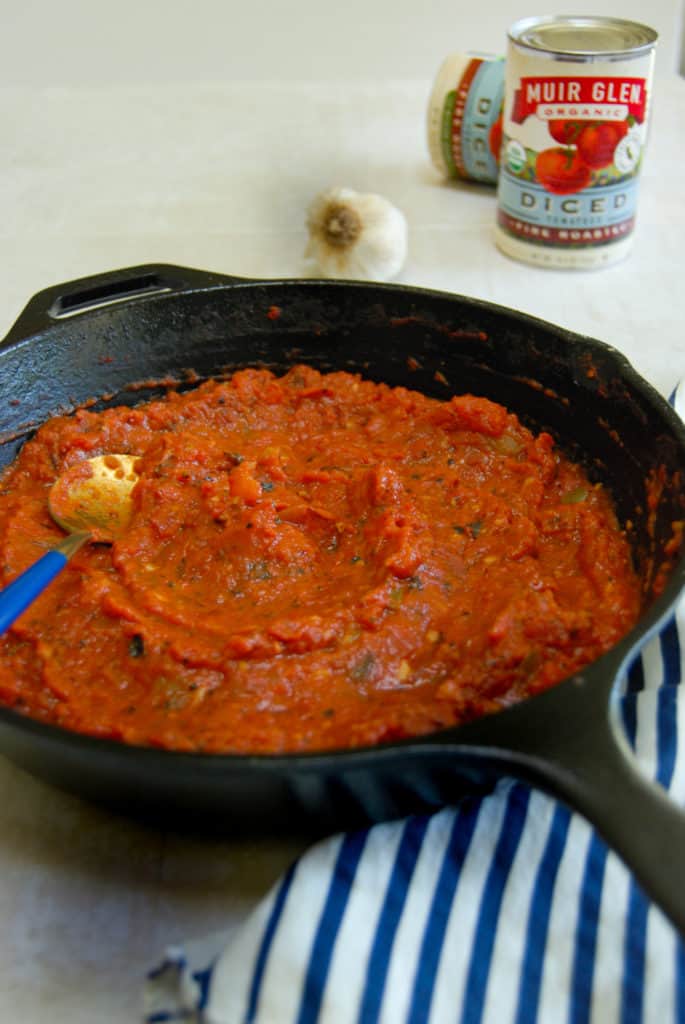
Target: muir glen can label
576, 101
465, 117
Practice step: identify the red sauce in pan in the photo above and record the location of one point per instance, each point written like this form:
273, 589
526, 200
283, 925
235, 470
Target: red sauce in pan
314, 561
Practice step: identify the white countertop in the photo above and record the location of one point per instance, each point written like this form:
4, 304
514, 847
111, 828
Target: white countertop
101, 173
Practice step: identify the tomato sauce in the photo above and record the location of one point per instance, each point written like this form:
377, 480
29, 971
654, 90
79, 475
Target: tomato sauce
313, 561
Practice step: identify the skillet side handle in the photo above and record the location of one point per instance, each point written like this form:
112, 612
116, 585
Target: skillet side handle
635, 816
62, 301
569, 741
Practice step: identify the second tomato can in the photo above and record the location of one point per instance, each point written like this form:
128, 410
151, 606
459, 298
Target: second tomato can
465, 117
576, 104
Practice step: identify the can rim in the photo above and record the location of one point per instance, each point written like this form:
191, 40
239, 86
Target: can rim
645, 37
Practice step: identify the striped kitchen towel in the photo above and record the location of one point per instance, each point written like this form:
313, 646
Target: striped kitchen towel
507, 909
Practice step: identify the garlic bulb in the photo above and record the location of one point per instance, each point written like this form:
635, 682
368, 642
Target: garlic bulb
355, 236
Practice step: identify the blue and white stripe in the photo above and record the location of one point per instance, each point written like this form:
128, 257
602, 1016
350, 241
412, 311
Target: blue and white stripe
507, 909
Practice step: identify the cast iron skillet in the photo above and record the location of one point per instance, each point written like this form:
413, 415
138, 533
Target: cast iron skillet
93, 338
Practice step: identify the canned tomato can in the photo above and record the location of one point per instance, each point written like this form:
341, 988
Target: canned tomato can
465, 117
577, 94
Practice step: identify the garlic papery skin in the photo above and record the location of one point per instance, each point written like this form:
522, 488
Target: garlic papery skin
356, 236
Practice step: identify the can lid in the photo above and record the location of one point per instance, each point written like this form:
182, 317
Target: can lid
584, 38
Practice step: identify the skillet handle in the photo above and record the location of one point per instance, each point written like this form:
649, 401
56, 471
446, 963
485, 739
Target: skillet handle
569, 741
62, 301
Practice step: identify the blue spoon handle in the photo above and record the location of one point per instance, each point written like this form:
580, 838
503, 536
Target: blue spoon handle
21, 592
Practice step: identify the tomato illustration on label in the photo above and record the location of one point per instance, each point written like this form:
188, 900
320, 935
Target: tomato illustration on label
586, 146
495, 137
597, 143
566, 132
562, 171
